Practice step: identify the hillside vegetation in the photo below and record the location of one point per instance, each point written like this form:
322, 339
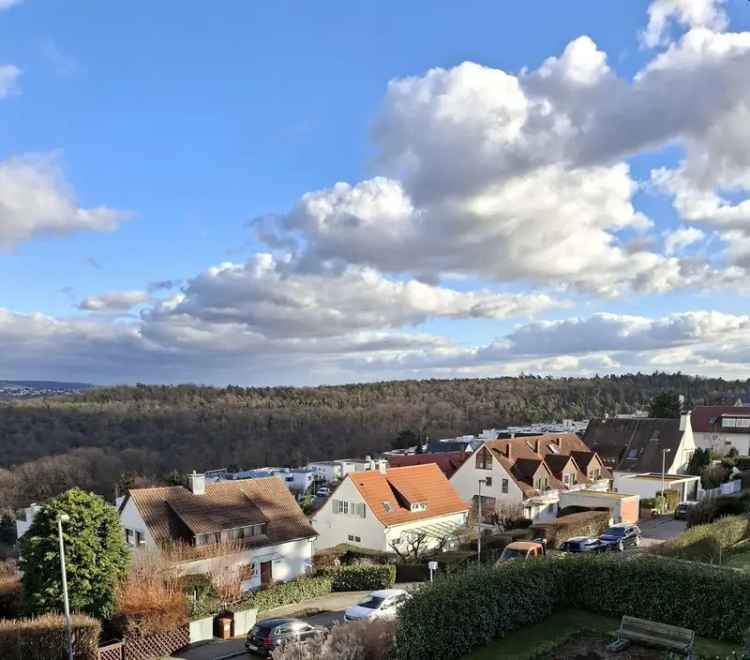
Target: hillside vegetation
103, 436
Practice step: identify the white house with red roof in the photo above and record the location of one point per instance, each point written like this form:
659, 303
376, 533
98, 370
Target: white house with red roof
722, 428
381, 509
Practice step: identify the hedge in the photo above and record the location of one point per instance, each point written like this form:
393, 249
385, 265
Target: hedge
724, 505
361, 578
491, 602
588, 523
707, 543
285, 593
44, 638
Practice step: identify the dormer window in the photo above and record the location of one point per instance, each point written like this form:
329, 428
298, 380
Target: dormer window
418, 506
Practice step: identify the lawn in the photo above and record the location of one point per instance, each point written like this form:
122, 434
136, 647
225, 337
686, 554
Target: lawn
739, 560
529, 642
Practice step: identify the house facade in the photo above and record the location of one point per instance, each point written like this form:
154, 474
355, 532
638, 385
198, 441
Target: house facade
526, 474
333, 471
385, 509
722, 428
253, 526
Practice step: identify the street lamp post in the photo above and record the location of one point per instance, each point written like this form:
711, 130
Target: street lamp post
479, 524
664, 453
63, 517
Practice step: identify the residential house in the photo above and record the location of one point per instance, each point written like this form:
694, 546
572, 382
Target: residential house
448, 462
252, 525
298, 480
722, 428
527, 474
333, 471
383, 509
643, 447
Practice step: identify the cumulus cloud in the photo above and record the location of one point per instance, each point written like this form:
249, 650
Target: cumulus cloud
114, 301
679, 239
35, 201
9, 75
274, 299
688, 13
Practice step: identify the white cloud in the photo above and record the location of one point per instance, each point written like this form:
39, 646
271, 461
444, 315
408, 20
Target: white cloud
679, 239
34, 201
7, 4
274, 299
688, 13
9, 75
114, 301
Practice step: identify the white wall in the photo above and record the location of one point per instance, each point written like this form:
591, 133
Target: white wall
686, 449
718, 442
393, 534
335, 528
130, 518
466, 482
624, 483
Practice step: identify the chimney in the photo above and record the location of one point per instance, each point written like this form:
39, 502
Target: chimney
382, 467
508, 451
197, 483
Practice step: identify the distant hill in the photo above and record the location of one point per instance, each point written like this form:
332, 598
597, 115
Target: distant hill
25, 389
100, 436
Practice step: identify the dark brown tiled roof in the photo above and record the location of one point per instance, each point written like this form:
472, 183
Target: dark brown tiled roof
707, 419
633, 444
173, 513
402, 486
448, 462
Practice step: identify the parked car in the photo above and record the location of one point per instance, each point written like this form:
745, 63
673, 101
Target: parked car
324, 491
619, 537
522, 550
683, 509
584, 544
382, 604
267, 635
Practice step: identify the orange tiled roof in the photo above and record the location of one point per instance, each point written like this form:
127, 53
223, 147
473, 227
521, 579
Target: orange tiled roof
401, 487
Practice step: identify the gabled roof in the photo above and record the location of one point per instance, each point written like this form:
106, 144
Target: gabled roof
544, 444
174, 513
634, 444
706, 419
442, 446
448, 462
390, 495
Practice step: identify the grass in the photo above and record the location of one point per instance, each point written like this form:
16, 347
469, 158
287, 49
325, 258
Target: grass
739, 560
530, 641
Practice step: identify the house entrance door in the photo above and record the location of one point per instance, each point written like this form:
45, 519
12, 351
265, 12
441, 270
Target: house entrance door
266, 573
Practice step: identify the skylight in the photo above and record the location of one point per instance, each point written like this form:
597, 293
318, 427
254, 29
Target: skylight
387, 507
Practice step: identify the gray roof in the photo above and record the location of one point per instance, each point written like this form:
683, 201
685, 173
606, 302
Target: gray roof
634, 444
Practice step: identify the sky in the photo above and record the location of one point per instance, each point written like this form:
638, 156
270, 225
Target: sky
318, 193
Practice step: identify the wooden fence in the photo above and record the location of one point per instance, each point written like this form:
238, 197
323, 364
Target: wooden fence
143, 648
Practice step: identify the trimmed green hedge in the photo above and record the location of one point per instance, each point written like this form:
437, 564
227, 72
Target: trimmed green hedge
491, 602
286, 593
707, 543
44, 638
361, 578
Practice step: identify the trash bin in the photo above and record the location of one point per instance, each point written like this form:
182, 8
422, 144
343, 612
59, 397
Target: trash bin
224, 627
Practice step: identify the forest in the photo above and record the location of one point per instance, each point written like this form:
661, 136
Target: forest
106, 438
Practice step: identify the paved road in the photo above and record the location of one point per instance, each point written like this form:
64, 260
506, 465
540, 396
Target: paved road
658, 530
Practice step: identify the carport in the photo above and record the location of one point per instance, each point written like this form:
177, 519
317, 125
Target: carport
622, 507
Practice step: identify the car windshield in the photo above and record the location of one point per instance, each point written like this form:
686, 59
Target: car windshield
615, 531
372, 602
510, 553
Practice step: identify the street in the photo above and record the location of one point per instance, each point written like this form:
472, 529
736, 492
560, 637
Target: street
658, 530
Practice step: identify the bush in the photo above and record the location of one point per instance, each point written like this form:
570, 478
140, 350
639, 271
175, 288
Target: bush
44, 638
648, 503
499, 540
286, 593
10, 596
360, 640
709, 510
708, 542
589, 523
201, 595
491, 602
361, 578
672, 498
742, 463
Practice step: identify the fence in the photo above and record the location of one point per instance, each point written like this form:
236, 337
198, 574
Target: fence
112, 651
144, 648
729, 488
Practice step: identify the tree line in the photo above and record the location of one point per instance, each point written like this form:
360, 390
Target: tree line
118, 436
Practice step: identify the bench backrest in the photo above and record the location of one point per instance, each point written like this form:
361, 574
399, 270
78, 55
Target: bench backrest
662, 631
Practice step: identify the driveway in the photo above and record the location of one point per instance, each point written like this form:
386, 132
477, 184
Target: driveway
658, 530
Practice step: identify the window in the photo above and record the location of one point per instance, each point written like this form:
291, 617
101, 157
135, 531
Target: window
419, 506
504, 486
566, 479
488, 481
128, 536
483, 460
357, 509
387, 507
139, 540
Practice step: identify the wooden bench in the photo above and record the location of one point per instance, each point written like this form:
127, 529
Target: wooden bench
661, 635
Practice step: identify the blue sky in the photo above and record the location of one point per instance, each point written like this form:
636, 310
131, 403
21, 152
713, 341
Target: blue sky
179, 126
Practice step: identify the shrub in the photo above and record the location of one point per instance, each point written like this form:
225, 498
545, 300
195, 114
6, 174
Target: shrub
589, 523
151, 599
10, 596
491, 602
44, 638
361, 578
360, 640
201, 595
286, 593
742, 463
648, 503
707, 542
709, 510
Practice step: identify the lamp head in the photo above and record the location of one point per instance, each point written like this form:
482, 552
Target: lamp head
63, 517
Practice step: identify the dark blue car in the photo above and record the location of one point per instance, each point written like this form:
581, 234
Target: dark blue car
622, 536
